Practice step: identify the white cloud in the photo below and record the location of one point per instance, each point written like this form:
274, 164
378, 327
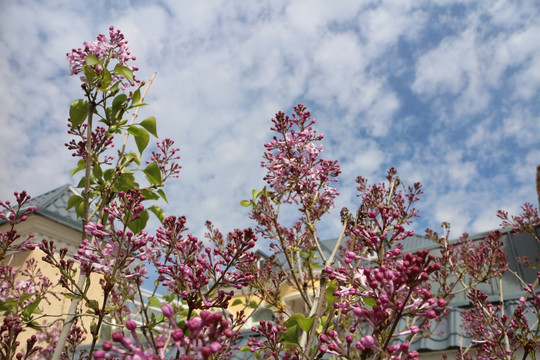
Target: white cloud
225, 68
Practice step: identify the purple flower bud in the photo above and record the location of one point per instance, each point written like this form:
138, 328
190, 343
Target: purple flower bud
177, 334
215, 347
117, 336
167, 310
99, 355
324, 338
367, 341
131, 325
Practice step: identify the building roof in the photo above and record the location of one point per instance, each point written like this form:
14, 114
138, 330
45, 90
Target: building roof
53, 205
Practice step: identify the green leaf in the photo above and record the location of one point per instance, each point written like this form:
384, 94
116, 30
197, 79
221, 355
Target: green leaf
245, 348
92, 59
125, 71
291, 336
153, 173
96, 171
163, 196
133, 156
306, 323
236, 302
255, 194
71, 296
369, 301
32, 308
90, 74
149, 194
245, 203
150, 125
160, 214
330, 289
253, 304
107, 174
117, 105
93, 304
138, 225
136, 96
77, 202
154, 302
293, 320
106, 80
81, 165
141, 137
78, 112
125, 182
35, 326
322, 323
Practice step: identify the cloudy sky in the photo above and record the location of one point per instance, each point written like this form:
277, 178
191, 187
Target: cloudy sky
445, 91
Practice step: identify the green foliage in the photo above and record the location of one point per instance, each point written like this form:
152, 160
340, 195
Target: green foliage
138, 225
124, 71
76, 202
154, 302
153, 174
141, 137
156, 210
150, 125
78, 112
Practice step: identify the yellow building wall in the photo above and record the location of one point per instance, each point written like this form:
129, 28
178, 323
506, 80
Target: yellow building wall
54, 309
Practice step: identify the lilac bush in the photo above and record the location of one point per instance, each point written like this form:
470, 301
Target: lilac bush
365, 298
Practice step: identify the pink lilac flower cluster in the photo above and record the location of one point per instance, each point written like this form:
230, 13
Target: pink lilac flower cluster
10, 241
100, 142
201, 337
481, 260
113, 47
267, 341
367, 344
11, 327
198, 274
379, 297
524, 223
117, 248
499, 336
48, 339
381, 218
295, 171
165, 159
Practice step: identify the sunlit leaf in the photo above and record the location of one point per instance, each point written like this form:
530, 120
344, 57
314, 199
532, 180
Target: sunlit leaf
150, 125
153, 173
92, 59
162, 194
78, 112
141, 137
125, 71
291, 336
138, 225
160, 214
154, 302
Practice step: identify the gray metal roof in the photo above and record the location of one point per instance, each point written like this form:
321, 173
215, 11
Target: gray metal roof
53, 205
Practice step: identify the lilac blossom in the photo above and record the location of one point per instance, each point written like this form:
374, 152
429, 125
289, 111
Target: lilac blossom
296, 172
116, 249
165, 159
198, 274
113, 47
10, 240
201, 337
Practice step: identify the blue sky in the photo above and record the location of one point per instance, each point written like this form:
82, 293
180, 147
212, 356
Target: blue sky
445, 91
